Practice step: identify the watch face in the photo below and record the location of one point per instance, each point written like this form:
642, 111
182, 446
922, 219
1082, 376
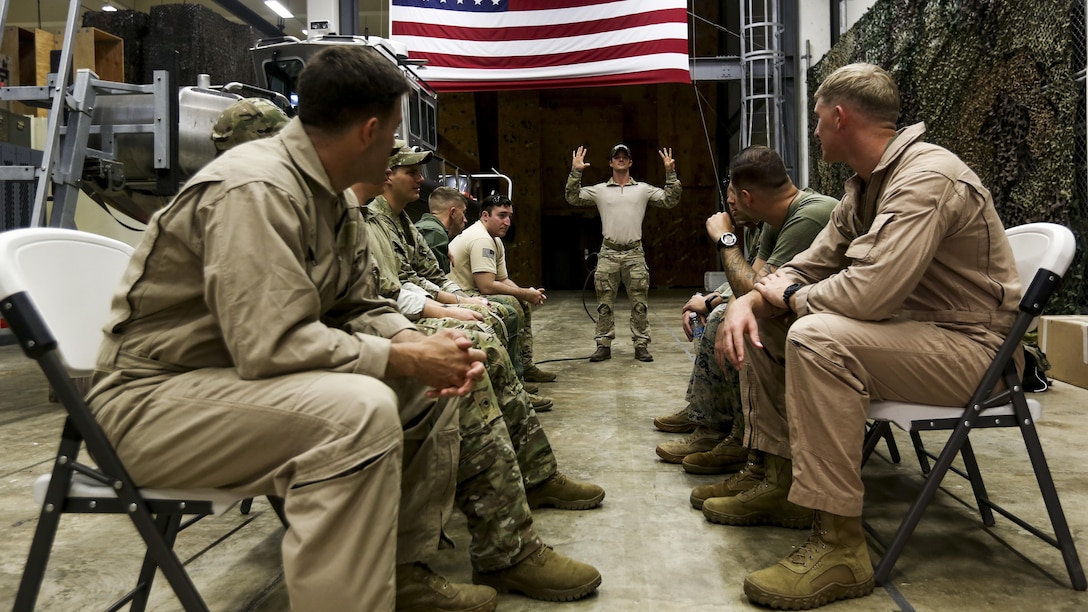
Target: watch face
728, 239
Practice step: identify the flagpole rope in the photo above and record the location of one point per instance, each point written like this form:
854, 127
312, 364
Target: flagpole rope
719, 205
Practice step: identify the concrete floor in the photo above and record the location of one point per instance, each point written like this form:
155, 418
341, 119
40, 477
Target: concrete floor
655, 552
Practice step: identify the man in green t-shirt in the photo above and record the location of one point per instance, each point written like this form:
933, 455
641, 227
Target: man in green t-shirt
791, 220
445, 220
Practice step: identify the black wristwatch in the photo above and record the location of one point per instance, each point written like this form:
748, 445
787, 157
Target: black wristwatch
709, 303
728, 239
788, 293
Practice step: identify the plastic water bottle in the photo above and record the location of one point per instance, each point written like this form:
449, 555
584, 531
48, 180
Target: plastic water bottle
696, 326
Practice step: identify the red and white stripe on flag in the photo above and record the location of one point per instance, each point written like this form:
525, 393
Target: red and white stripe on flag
488, 45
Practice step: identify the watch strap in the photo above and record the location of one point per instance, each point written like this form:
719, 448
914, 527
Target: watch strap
788, 293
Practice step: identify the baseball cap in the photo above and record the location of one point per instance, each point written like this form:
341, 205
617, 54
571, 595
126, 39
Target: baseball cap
618, 148
245, 120
404, 155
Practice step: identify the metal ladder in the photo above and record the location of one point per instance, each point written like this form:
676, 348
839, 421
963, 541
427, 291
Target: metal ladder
70, 125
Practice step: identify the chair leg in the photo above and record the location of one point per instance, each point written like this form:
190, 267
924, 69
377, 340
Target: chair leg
920, 451
873, 433
247, 505
33, 573
49, 518
163, 556
921, 502
974, 475
893, 448
168, 526
1053, 506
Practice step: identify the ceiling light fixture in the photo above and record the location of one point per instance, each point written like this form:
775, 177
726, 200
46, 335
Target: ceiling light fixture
279, 9
109, 8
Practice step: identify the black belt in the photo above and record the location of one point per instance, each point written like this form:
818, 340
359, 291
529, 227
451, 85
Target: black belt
615, 246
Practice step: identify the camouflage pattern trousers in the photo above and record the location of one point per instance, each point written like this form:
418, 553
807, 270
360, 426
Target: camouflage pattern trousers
504, 452
505, 322
714, 392
523, 317
628, 267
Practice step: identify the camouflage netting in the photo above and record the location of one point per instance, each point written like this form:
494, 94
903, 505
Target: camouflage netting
995, 82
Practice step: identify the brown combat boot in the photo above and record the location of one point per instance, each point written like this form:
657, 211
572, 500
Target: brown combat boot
530, 387
702, 439
676, 423
540, 403
643, 354
752, 474
545, 575
561, 492
534, 374
421, 590
729, 455
832, 564
763, 504
602, 353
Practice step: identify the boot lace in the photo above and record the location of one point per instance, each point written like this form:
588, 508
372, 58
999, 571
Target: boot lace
558, 479
806, 552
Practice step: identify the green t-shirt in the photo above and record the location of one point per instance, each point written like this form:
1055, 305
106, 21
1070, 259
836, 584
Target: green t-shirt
435, 234
804, 220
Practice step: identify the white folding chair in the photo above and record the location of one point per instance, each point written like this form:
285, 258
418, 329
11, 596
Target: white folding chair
1043, 253
55, 291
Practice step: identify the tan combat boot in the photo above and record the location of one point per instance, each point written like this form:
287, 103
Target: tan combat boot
752, 474
832, 565
676, 423
561, 492
534, 374
421, 590
545, 575
763, 504
540, 403
702, 439
729, 455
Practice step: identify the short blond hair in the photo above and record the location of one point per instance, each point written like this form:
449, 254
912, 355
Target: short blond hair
444, 198
866, 86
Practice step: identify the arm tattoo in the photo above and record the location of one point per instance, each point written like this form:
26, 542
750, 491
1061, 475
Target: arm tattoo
766, 270
742, 278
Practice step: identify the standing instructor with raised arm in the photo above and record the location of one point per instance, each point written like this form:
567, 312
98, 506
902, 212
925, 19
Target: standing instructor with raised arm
622, 203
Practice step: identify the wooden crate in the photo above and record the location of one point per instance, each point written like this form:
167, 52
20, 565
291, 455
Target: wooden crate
28, 51
100, 51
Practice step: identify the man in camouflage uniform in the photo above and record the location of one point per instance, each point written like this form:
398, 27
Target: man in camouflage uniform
245, 120
622, 203
419, 266
507, 465
791, 220
713, 395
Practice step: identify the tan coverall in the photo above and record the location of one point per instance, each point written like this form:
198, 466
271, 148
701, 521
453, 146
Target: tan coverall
245, 351
908, 293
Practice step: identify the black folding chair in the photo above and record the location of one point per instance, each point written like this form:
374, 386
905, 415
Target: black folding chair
1043, 253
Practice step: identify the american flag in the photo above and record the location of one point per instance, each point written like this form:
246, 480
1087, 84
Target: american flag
487, 45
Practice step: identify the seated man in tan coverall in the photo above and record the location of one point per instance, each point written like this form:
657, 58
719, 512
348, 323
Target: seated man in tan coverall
906, 295
247, 349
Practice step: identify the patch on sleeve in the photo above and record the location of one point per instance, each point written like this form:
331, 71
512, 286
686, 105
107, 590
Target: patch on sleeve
488, 253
